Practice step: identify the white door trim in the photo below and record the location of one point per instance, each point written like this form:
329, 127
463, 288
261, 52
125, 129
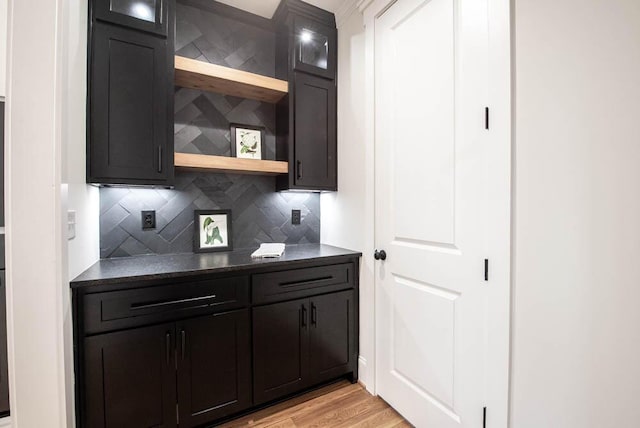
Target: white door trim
500, 179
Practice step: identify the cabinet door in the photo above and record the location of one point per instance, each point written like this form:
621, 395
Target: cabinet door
130, 378
214, 367
315, 48
315, 147
332, 341
145, 15
280, 342
129, 140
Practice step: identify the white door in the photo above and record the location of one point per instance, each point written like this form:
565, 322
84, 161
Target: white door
432, 175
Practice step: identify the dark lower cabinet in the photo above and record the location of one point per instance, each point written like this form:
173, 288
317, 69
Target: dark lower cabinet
302, 343
214, 367
280, 347
332, 349
130, 378
193, 352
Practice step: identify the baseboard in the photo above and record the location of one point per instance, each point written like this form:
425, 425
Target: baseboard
363, 375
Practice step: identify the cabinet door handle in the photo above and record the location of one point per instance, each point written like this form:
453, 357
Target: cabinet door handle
159, 158
168, 347
299, 169
314, 314
184, 342
304, 316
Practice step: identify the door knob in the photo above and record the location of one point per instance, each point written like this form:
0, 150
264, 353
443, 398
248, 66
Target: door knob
380, 255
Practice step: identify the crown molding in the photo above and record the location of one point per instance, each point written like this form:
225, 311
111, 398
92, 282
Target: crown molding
345, 11
363, 4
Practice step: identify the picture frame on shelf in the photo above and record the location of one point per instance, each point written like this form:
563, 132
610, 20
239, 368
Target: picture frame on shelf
212, 231
248, 142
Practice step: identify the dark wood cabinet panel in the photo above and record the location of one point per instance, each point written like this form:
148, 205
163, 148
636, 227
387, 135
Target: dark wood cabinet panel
315, 136
332, 336
130, 97
170, 365
145, 15
298, 283
280, 342
306, 123
130, 378
214, 367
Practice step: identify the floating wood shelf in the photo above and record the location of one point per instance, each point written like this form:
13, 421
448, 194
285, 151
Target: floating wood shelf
195, 74
229, 164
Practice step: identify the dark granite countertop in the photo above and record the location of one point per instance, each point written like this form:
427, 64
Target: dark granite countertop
154, 267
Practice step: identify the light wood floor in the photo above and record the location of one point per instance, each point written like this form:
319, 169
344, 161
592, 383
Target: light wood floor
338, 405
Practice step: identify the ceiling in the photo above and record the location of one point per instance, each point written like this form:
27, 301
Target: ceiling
267, 7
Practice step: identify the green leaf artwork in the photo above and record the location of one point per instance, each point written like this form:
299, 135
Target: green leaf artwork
212, 231
249, 142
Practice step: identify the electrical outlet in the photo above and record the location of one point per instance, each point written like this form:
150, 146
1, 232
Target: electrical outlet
148, 220
295, 216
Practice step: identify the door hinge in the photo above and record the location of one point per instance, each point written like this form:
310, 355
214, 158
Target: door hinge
486, 118
484, 417
486, 269
177, 414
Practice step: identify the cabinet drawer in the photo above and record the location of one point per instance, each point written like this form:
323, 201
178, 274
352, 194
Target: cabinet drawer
128, 308
297, 283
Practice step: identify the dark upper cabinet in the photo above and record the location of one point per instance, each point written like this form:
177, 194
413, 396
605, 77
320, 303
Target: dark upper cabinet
314, 47
130, 379
332, 331
306, 125
280, 342
130, 109
214, 367
315, 148
145, 15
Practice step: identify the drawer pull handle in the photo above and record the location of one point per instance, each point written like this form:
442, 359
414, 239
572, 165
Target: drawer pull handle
184, 342
139, 306
306, 281
314, 315
168, 347
304, 316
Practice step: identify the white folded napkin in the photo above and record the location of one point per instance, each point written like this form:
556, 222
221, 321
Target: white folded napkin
268, 250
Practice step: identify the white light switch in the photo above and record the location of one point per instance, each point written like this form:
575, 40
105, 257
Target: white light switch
71, 224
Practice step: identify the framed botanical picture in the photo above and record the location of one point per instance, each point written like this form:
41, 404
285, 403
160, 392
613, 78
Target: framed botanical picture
212, 231
247, 142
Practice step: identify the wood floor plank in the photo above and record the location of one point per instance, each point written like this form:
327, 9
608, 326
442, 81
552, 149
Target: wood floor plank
339, 405
315, 406
286, 407
386, 418
334, 413
372, 407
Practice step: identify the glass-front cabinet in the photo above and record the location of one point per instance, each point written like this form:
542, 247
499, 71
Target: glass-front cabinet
315, 48
145, 15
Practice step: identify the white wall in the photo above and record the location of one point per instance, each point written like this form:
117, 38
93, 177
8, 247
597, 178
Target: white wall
3, 47
36, 262
576, 323
347, 215
45, 177
84, 249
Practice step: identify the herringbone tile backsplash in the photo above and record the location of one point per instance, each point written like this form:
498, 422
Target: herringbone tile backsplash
258, 214
202, 121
